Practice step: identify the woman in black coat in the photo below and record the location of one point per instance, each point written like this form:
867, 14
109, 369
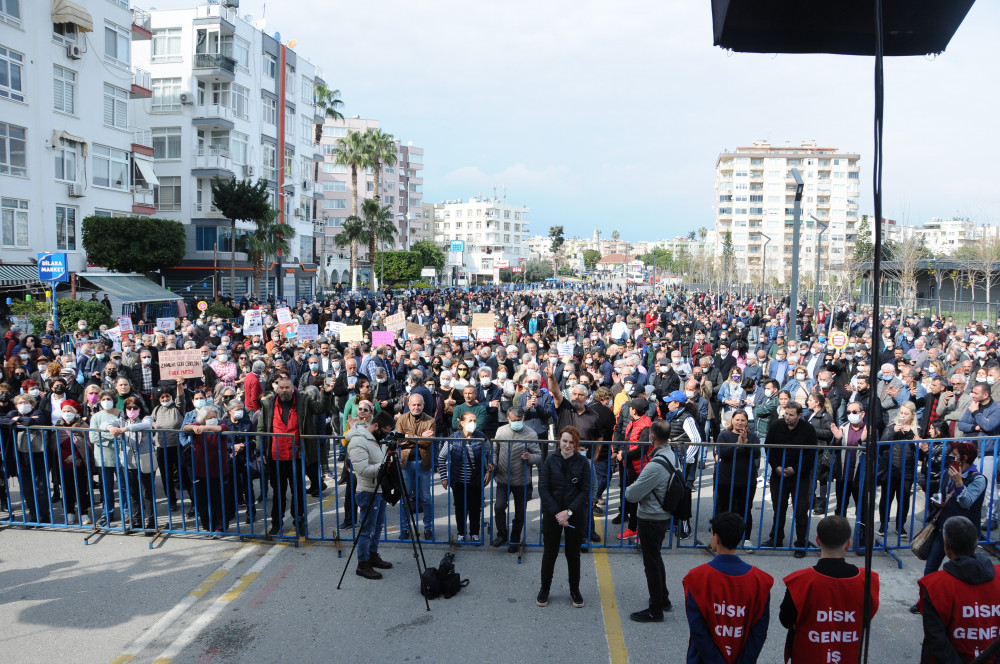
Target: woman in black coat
736, 474
819, 414
564, 487
897, 467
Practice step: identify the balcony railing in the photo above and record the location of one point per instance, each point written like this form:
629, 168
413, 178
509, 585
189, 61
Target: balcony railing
142, 136
215, 10
142, 78
214, 61
206, 211
141, 18
142, 197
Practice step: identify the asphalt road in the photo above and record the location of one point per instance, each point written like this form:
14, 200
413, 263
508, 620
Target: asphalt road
203, 601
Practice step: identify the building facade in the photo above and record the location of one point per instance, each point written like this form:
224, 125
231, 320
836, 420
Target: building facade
755, 194
492, 232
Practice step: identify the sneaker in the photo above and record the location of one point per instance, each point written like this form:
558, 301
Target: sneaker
799, 553
85, 520
474, 540
366, 570
747, 547
71, 519
543, 597
576, 598
627, 534
645, 616
216, 534
617, 520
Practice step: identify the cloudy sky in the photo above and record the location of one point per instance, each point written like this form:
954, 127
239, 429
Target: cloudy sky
612, 114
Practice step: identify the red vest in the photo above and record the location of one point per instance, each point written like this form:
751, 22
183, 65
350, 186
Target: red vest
285, 448
731, 605
971, 614
829, 623
632, 432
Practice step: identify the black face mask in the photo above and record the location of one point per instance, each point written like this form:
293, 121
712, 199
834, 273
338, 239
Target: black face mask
20, 376
59, 389
4, 397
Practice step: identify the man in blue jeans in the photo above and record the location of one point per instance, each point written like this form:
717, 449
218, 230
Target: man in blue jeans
416, 457
366, 459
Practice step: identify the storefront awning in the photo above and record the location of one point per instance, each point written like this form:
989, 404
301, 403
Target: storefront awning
130, 288
66, 11
145, 167
18, 275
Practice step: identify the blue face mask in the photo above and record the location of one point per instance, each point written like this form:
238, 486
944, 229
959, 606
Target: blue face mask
516, 426
887, 378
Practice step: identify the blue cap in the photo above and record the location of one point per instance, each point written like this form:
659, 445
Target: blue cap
677, 396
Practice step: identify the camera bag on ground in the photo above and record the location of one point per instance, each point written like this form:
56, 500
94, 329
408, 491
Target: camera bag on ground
430, 583
451, 582
677, 498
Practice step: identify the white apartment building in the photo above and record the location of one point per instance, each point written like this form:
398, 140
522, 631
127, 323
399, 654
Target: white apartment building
490, 230
229, 101
944, 236
71, 145
402, 188
755, 193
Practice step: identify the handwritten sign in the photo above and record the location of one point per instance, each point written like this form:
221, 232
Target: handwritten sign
380, 338
482, 320
253, 323
307, 332
485, 334
180, 364
350, 333
459, 332
125, 323
566, 349
415, 330
286, 325
165, 324
334, 327
395, 321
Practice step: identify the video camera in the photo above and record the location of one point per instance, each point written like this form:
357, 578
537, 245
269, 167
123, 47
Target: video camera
392, 440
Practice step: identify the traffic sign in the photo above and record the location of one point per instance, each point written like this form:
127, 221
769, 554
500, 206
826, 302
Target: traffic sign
458, 245
52, 267
838, 340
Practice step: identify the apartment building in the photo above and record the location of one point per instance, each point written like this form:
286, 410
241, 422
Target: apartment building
492, 233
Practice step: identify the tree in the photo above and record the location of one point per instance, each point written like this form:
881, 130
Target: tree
537, 271
133, 244
269, 238
979, 260
556, 233
352, 151
402, 266
382, 150
350, 234
239, 199
902, 267
430, 254
728, 253
376, 226
328, 100
691, 235
662, 258
864, 250
591, 258
615, 235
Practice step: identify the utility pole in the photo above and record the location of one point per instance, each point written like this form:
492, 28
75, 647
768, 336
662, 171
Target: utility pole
792, 334
763, 260
819, 248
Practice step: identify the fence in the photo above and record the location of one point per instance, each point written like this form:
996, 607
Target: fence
243, 484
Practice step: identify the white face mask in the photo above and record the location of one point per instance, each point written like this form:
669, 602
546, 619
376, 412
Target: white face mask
690, 394
212, 422
469, 427
502, 375
222, 358
237, 414
146, 361
768, 393
663, 370
854, 418
823, 384
33, 392
107, 404
24, 408
199, 403
69, 417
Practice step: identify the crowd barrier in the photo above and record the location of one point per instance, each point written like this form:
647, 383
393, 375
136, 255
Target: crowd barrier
270, 486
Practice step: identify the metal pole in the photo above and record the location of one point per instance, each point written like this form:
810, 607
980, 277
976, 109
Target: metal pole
792, 334
763, 261
819, 249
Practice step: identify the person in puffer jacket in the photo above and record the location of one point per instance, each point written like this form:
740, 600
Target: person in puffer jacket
515, 451
464, 465
366, 458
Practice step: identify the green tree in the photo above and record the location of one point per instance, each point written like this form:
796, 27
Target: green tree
39, 312
376, 227
351, 234
556, 233
402, 266
537, 271
691, 235
662, 258
269, 238
329, 101
864, 250
352, 151
615, 235
239, 199
430, 254
591, 258
133, 244
382, 151
728, 253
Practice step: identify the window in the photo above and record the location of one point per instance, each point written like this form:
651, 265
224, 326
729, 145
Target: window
270, 66
517, 215
289, 124
110, 168
238, 145
336, 132
115, 107
64, 89
66, 228
270, 111
66, 157
10, 11
334, 186
11, 63
205, 238
167, 195
64, 33
307, 90
241, 52
241, 101
334, 204
369, 187
270, 161
220, 94
305, 128
416, 158
166, 44
340, 168
166, 94
117, 45
14, 222
166, 142
328, 167
289, 81
13, 150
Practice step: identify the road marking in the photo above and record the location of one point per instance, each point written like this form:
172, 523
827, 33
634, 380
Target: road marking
262, 596
609, 606
201, 622
179, 609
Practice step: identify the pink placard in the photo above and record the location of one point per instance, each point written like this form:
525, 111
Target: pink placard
383, 338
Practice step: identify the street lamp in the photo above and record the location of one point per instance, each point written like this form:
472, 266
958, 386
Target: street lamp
819, 248
763, 260
793, 332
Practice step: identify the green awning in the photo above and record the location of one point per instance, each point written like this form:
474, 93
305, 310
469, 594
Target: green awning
18, 275
130, 288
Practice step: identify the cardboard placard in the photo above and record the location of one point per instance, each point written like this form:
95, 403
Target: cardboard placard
485, 334
459, 332
334, 327
415, 330
351, 333
180, 364
380, 338
166, 324
482, 320
566, 349
253, 323
395, 321
286, 324
307, 332
125, 323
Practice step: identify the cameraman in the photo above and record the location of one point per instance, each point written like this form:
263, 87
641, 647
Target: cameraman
366, 457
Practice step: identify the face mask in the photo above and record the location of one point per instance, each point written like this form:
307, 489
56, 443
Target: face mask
990, 380
628, 388
25, 357
675, 360
92, 398
132, 413
59, 389
887, 378
24, 408
69, 417
854, 418
848, 357
100, 356
107, 404
382, 380
81, 327
445, 383
336, 366
237, 414
313, 366
209, 400
469, 363
502, 375
222, 358
212, 422
723, 353
690, 394
516, 426
800, 376
980, 354
663, 370
736, 379
33, 392
768, 393
469, 427
823, 384
199, 403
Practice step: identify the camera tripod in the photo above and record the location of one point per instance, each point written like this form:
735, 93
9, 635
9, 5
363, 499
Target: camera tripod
389, 481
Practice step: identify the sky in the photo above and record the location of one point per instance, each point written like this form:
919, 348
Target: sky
611, 115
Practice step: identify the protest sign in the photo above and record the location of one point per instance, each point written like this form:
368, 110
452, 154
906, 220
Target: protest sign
414, 330
165, 324
459, 332
180, 364
395, 322
253, 323
482, 320
306, 332
380, 338
351, 333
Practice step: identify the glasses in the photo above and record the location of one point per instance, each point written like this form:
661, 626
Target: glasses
854, 412
364, 409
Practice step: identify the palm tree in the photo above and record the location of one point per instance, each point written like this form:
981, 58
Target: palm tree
615, 235
351, 234
353, 151
382, 152
269, 238
376, 227
328, 100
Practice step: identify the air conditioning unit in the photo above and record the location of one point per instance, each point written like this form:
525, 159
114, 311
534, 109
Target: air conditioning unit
186, 98
75, 191
73, 52
298, 213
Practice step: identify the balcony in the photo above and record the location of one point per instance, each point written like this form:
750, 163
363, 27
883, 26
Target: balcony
205, 211
213, 116
142, 141
209, 161
141, 25
142, 84
142, 201
320, 76
216, 14
214, 66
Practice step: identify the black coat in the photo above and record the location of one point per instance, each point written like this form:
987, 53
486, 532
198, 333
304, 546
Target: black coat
565, 484
738, 464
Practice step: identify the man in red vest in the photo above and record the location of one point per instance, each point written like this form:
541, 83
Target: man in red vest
960, 603
823, 605
728, 601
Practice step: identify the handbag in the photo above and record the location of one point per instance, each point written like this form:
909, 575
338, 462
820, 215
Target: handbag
921, 544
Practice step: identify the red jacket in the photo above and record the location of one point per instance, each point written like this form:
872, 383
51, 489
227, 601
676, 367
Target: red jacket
252, 391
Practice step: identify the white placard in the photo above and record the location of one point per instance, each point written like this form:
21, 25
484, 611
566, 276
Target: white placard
253, 323
307, 332
165, 324
459, 331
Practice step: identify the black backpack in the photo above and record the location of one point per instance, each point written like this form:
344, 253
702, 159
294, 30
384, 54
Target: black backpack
430, 583
441, 580
677, 498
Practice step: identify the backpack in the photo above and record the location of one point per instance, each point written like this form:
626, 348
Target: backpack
430, 583
677, 497
451, 582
